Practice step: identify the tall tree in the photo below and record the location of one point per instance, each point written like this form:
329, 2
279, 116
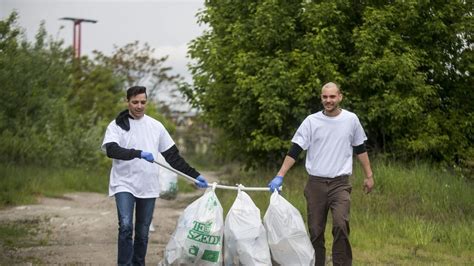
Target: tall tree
54, 108
138, 64
404, 66
412, 79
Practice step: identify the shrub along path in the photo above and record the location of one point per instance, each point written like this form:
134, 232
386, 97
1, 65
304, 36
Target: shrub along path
81, 228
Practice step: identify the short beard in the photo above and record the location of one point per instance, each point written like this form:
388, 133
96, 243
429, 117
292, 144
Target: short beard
334, 108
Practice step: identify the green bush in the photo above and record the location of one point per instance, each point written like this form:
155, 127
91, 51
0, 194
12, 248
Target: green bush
54, 109
405, 67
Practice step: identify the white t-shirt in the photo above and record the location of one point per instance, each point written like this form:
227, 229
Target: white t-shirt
329, 141
137, 176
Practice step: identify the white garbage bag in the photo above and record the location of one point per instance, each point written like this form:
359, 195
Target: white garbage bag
286, 233
245, 237
168, 181
197, 239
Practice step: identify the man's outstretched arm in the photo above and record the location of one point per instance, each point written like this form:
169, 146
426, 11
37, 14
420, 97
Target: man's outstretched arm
369, 176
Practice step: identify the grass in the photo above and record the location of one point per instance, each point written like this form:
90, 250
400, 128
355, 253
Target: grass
184, 186
200, 161
21, 234
417, 214
24, 184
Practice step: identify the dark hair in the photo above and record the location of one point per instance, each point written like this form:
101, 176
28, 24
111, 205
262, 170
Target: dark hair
135, 90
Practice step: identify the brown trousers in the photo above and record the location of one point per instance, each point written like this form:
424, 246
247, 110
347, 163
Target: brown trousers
324, 194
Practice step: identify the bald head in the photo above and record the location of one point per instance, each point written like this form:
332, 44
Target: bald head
332, 86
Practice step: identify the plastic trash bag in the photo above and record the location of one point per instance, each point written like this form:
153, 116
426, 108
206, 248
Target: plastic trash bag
286, 233
198, 236
168, 181
245, 237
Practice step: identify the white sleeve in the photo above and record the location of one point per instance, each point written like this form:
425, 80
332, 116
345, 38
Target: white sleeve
165, 142
302, 136
112, 134
359, 135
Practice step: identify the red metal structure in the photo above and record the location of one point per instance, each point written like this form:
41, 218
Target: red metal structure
76, 44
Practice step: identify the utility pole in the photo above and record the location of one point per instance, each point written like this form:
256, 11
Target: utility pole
77, 33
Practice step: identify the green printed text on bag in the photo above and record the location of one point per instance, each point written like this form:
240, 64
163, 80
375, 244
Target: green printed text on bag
200, 233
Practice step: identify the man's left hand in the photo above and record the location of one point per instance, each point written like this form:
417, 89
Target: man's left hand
201, 182
147, 156
368, 184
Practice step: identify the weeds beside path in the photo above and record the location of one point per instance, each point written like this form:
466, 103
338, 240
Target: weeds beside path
79, 228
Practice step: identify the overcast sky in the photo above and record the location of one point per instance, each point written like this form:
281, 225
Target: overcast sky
167, 25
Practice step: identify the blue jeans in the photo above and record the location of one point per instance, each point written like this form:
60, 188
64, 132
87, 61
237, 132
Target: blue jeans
133, 252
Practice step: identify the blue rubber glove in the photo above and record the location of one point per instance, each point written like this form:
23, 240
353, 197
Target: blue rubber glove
147, 156
276, 182
201, 182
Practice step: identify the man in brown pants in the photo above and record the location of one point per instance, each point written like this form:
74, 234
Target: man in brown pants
330, 138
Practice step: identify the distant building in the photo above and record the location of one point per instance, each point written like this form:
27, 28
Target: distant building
183, 119
192, 136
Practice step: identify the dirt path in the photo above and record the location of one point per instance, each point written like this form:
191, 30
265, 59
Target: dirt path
81, 228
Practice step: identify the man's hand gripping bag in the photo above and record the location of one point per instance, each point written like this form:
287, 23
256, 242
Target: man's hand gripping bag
286, 233
197, 239
245, 237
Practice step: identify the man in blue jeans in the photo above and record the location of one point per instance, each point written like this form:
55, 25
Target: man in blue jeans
133, 136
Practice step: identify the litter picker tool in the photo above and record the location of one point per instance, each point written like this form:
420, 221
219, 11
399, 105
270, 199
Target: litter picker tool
217, 186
